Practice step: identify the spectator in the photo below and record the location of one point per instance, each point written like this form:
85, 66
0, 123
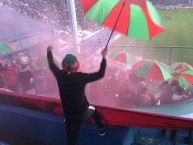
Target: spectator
1, 77
26, 80
10, 78
40, 81
166, 93
179, 93
128, 92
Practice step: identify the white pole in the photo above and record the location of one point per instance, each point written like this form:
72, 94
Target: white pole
73, 21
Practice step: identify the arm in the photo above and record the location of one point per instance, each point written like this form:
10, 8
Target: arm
100, 74
54, 68
90, 77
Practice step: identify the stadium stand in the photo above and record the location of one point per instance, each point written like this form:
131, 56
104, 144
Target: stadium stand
171, 4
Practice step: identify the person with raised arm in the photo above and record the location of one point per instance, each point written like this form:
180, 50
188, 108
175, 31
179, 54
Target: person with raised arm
71, 84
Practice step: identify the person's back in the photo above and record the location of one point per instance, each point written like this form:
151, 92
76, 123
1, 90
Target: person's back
26, 80
166, 94
71, 88
1, 81
10, 78
71, 85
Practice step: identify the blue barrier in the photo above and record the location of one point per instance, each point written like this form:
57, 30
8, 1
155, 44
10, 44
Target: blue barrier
50, 129
2, 143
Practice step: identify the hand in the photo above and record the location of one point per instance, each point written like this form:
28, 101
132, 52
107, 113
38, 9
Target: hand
49, 48
104, 52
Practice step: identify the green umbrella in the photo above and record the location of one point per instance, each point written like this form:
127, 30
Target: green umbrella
184, 76
151, 69
123, 57
180, 65
4, 46
133, 18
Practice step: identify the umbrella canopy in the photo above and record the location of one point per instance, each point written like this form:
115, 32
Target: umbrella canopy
123, 57
43, 62
184, 76
133, 18
4, 46
151, 69
180, 65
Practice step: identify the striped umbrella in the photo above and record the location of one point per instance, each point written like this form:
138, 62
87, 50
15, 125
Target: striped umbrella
4, 46
184, 76
151, 69
180, 65
123, 57
133, 18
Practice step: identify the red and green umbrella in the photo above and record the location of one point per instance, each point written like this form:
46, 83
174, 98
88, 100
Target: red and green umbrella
184, 76
42, 61
4, 46
133, 18
123, 57
151, 69
180, 65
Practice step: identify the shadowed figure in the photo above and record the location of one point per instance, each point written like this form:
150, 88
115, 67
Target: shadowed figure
72, 85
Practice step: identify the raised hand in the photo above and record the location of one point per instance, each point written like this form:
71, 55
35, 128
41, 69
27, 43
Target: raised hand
104, 52
49, 48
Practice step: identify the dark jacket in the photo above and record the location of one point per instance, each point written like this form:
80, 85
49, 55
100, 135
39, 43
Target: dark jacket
72, 86
166, 96
24, 79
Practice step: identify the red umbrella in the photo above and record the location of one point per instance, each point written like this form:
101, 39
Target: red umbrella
180, 65
151, 69
184, 76
133, 18
123, 57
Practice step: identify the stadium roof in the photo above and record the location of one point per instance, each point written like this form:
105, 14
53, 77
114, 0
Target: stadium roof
15, 27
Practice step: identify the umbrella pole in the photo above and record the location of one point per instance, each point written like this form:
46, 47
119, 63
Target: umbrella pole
115, 25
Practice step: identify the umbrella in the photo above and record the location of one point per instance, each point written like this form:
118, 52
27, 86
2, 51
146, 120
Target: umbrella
43, 62
184, 76
151, 69
4, 46
133, 18
123, 57
180, 65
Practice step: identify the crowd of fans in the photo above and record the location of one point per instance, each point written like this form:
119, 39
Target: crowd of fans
54, 12
120, 87
174, 3
49, 11
25, 78
125, 89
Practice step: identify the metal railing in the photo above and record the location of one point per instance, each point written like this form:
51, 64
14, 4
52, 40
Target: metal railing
168, 53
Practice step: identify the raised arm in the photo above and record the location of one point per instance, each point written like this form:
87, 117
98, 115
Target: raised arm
99, 74
54, 68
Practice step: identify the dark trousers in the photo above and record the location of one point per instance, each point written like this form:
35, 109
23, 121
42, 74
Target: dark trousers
73, 127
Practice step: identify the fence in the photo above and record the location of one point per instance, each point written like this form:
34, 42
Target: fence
166, 54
